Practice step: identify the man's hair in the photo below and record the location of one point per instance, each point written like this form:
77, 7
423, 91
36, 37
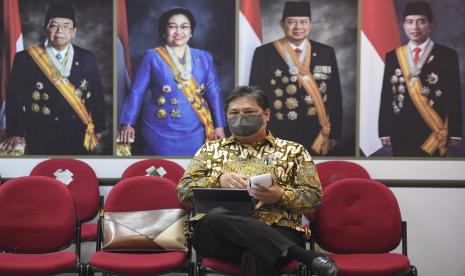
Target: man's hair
163, 21
248, 91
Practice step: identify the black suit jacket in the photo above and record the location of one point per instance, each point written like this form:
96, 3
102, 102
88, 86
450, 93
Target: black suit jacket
36, 110
305, 128
406, 127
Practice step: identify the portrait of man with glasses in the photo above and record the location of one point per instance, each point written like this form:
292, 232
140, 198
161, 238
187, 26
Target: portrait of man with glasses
54, 100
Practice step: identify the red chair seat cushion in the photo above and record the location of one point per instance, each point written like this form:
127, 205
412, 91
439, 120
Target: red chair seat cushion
137, 263
370, 264
232, 267
88, 232
37, 264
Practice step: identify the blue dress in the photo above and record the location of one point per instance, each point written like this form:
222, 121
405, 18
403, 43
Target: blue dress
179, 132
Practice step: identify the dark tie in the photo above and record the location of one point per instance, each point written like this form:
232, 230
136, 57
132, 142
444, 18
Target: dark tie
416, 55
59, 57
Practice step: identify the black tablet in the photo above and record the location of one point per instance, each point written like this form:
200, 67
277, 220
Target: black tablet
237, 200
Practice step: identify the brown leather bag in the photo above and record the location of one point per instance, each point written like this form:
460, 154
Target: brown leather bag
153, 230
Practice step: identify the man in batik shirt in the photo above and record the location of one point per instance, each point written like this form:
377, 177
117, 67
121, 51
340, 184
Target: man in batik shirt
272, 236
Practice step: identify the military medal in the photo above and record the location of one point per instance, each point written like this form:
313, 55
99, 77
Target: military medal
161, 113
291, 103
432, 78
279, 116
277, 104
291, 89
293, 70
278, 73
278, 92
36, 95
175, 114
166, 88
161, 100
308, 100
174, 101
45, 110
311, 111
45, 96
292, 115
186, 75
39, 85
35, 108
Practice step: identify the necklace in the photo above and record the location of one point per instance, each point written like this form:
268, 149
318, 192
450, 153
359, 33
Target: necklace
186, 69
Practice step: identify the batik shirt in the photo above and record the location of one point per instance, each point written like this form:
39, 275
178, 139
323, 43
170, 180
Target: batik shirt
289, 162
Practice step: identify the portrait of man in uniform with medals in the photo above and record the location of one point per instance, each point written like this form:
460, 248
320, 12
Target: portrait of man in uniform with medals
55, 99
301, 75
183, 64
421, 103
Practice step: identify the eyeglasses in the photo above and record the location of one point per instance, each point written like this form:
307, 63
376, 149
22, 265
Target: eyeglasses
53, 27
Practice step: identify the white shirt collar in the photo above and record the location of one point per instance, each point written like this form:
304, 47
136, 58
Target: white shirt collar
301, 46
62, 52
422, 46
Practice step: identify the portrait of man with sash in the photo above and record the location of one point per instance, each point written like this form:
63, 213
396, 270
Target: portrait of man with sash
55, 99
420, 111
301, 78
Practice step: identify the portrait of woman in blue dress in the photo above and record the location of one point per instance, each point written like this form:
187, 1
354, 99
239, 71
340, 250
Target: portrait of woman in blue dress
185, 107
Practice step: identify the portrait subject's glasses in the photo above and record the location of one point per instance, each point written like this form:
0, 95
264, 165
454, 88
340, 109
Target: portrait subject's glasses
53, 27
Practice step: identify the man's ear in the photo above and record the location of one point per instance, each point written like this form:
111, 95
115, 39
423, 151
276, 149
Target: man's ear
267, 114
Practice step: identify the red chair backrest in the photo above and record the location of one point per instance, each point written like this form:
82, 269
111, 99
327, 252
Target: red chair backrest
330, 171
358, 216
143, 193
36, 215
174, 171
84, 187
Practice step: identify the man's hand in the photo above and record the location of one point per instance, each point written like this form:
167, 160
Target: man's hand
386, 141
453, 143
233, 181
266, 195
11, 142
332, 144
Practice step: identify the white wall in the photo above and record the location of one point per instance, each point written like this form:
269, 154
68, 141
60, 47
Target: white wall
435, 216
436, 229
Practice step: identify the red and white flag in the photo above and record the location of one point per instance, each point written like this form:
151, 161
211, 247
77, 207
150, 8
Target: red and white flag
379, 35
124, 73
12, 42
250, 37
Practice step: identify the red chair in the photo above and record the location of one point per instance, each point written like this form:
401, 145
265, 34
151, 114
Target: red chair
84, 187
141, 193
359, 223
173, 171
330, 171
37, 221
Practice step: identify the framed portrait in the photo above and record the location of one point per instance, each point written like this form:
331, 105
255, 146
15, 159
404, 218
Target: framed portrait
327, 112
54, 113
182, 59
412, 96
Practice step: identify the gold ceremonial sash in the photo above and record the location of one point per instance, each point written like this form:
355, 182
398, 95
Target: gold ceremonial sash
320, 144
438, 137
66, 89
189, 89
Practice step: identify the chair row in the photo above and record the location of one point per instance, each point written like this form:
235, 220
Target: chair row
354, 206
